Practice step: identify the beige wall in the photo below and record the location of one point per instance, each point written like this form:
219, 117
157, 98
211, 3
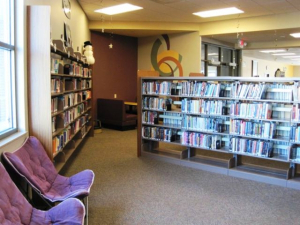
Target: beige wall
78, 22
188, 45
296, 71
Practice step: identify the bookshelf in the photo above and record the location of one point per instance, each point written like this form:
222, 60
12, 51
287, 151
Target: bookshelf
242, 127
59, 90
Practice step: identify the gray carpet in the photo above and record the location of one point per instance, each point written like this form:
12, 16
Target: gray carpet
130, 190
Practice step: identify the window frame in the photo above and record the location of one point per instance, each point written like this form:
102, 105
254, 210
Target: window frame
10, 47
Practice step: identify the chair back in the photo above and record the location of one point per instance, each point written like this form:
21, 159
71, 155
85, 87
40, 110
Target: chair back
14, 208
32, 163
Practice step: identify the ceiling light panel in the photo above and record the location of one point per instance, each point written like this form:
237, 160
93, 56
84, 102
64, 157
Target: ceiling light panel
291, 57
284, 54
117, 9
273, 50
295, 35
219, 12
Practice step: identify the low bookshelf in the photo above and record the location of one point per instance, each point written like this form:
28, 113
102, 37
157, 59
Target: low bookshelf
242, 127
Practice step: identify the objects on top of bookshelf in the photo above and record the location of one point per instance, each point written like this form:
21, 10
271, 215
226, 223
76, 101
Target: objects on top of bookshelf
88, 52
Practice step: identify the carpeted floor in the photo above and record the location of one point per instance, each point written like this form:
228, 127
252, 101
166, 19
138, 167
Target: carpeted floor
139, 191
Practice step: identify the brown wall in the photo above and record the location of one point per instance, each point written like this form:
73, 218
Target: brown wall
115, 70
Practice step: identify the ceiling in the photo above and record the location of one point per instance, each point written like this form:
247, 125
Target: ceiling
180, 11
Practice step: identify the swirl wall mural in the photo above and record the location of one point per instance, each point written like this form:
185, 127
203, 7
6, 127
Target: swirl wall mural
166, 62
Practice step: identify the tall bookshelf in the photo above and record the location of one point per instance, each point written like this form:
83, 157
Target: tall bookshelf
242, 127
59, 90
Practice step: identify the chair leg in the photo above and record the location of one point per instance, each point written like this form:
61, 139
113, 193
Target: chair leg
86, 204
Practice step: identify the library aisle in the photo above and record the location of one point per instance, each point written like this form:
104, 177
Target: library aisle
131, 190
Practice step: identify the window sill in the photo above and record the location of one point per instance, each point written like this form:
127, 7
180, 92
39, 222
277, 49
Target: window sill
14, 139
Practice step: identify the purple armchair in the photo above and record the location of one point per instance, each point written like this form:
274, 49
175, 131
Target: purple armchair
15, 209
31, 162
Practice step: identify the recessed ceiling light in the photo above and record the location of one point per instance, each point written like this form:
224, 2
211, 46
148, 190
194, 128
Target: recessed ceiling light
219, 12
284, 54
290, 57
273, 50
126, 7
295, 35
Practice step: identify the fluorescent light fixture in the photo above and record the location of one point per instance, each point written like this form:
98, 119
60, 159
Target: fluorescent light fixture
296, 59
219, 12
284, 54
295, 35
273, 51
117, 9
291, 57
212, 54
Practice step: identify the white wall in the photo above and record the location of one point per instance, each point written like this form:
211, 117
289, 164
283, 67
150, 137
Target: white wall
265, 67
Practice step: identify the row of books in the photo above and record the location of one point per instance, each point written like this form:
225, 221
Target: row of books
201, 89
209, 107
239, 90
150, 117
253, 147
251, 110
155, 103
155, 87
250, 128
201, 140
67, 100
56, 85
158, 133
295, 153
86, 84
278, 91
59, 141
295, 115
70, 84
86, 95
204, 124
247, 90
295, 133
58, 66
172, 119
75, 84
73, 113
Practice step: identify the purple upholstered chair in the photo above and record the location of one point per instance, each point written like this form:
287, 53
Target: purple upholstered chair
15, 209
32, 163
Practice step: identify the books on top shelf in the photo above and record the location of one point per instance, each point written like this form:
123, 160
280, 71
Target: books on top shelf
236, 89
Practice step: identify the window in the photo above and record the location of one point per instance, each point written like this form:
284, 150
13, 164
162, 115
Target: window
8, 123
218, 60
